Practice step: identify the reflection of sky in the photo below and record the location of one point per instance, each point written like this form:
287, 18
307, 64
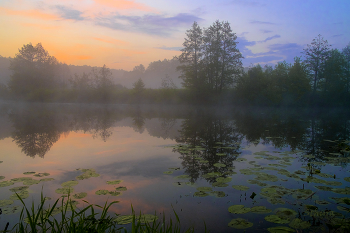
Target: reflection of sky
125, 33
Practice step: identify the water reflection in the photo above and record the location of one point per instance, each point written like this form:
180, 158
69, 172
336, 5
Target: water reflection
35, 132
211, 141
36, 128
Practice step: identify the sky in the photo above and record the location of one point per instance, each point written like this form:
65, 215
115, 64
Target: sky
125, 33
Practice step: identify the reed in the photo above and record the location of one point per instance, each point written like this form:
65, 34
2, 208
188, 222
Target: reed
89, 219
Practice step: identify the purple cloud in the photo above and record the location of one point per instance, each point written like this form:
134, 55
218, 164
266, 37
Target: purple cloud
150, 24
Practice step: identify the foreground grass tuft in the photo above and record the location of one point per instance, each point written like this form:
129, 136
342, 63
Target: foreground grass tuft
71, 219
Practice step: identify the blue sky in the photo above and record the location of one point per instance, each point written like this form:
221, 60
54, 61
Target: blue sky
125, 33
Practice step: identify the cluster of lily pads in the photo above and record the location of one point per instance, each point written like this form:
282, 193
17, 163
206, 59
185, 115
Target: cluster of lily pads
265, 176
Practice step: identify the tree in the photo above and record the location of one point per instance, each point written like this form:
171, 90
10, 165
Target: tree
333, 82
298, 83
33, 72
138, 89
316, 55
103, 83
191, 58
346, 52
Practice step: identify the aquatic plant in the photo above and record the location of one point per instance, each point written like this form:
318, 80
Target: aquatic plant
87, 219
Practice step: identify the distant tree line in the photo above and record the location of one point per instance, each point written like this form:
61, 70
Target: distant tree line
321, 79
210, 67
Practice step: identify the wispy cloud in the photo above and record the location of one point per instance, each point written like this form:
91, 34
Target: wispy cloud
261, 22
69, 13
125, 5
270, 38
152, 24
169, 48
265, 31
339, 35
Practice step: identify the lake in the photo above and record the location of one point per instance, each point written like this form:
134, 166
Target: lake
234, 169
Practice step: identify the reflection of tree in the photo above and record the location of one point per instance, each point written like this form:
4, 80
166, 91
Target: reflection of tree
295, 129
210, 141
167, 124
98, 122
138, 121
34, 131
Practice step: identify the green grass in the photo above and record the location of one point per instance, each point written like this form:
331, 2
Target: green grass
71, 219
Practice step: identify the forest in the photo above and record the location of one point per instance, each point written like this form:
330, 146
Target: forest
210, 67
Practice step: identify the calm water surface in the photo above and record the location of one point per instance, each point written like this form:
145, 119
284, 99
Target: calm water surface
200, 161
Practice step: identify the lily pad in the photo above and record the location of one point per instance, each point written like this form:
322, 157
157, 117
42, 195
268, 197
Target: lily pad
280, 229
347, 179
19, 188
223, 179
87, 173
114, 182
147, 218
6, 183
5, 202
276, 219
324, 188
321, 202
102, 192
168, 172
31, 182
11, 209
260, 210
22, 194
65, 190
2, 177
218, 193
219, 184
42, 174
238, 209
246, 171
121, 188
28, 173
115, 193
240, 187
69, 183
285, 213
240, 223
79, 195
266, 177
124, 219
200, 194
257, 183
297, 223
204, 189
219, 165
21, 179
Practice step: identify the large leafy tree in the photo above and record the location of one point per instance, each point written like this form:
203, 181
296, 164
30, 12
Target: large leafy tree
190, 59
333, 82
221, 56
298, 81
316, 55
33, 72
